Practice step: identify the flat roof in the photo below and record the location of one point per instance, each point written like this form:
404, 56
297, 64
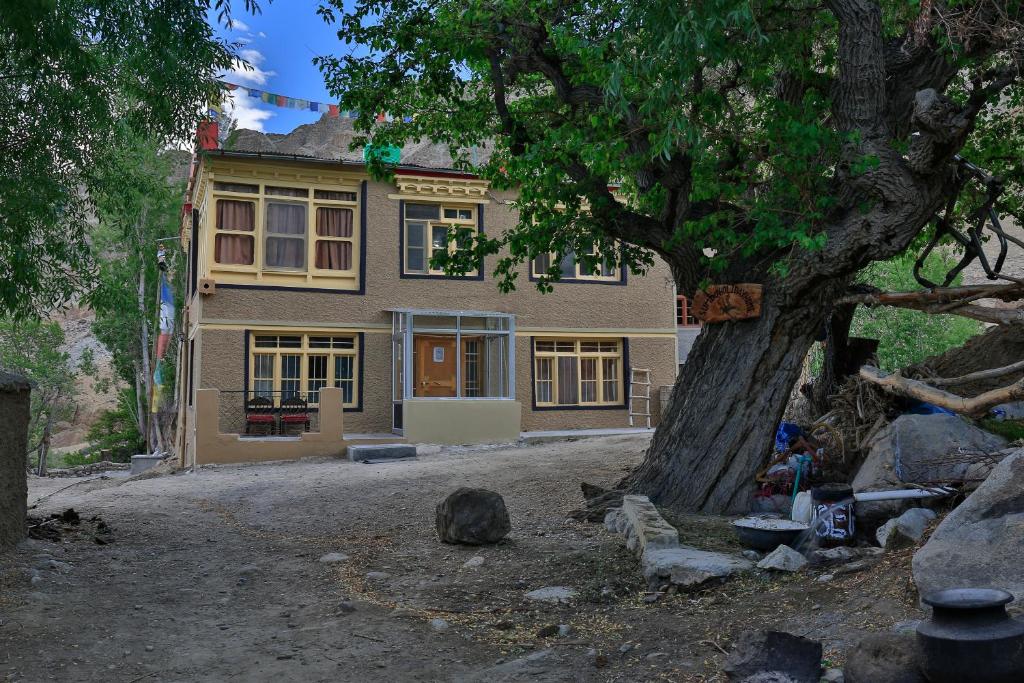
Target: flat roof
432, 311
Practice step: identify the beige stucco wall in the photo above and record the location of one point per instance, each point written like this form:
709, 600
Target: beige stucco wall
643, 311
212, 446
461, 422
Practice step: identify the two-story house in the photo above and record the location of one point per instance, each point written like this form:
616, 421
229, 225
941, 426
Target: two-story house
314, 319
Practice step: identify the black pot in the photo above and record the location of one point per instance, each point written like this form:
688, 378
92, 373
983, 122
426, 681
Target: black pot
765, 539
970, 637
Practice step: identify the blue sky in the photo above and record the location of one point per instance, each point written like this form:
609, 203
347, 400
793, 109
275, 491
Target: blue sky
280, 43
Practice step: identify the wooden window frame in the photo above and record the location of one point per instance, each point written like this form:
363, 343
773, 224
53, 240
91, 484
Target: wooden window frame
683, 317
599, 356
305, 350
471, 223
310, 274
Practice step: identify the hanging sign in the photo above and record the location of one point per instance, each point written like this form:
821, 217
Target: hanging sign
722, 303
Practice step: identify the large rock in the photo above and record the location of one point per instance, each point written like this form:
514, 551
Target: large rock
912, 449
906, 530
884, 658
472, 517
978, 545
762, 652
689, 567
14, 419
783, 559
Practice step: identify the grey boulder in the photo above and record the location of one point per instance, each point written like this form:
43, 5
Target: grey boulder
884, 658
915, 448
472, 517
978, 545
774, 652
906, 530
783, 559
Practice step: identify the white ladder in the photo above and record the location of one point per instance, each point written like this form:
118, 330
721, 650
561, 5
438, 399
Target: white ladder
640, 390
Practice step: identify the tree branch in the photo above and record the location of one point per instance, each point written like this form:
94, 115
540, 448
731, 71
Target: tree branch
912, 388
981, 374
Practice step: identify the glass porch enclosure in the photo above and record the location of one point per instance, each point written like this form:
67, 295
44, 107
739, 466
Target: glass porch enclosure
451, 355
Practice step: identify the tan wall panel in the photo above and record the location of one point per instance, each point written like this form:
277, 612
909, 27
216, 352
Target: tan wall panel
461, 422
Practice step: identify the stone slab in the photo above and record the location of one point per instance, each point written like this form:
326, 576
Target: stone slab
689, 567
649, 530
141, 463
384, 451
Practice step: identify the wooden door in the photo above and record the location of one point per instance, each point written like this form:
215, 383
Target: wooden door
434, 371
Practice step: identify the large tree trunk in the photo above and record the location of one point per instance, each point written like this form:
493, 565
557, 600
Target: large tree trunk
705, 453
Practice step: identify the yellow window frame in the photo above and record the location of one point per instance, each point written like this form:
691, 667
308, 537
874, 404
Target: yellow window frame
604, 351
305, 351
259, 234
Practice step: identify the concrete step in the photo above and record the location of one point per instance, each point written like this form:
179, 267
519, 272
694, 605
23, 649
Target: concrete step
379, 452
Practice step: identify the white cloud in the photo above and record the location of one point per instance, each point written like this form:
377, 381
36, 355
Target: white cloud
253, 75
238, 25
261, 34
245, 110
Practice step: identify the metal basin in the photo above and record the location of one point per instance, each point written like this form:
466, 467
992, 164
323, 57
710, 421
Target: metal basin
767, 534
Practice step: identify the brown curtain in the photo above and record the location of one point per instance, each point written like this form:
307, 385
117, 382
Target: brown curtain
233, 249
331, 222
236, 215
333, 255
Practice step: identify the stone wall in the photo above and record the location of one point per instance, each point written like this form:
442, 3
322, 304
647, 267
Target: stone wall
14, 416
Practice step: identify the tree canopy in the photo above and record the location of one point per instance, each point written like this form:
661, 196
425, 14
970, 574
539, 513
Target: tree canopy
749, 137
76, 76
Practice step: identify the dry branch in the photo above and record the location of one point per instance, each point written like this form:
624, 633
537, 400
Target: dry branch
982, 374
953, 300
912, 388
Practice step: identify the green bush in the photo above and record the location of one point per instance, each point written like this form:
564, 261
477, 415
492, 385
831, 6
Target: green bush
117, 431
907, 337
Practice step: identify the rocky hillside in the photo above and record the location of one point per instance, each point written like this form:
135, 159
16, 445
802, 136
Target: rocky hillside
329, 138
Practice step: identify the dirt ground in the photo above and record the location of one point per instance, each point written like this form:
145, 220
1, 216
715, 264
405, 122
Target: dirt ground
214, 576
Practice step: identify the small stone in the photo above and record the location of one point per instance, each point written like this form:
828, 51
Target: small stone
825, 578
474, 562
858, 566
377, 576
833, 676
552, 594
906, 530
656, 655
752, 555
35, 578
565, 630
548, 631
652, 598
625, 647
149, 648
439, 624
403, 612
331, 558
783, 559
346, 607
907, 627
473, 517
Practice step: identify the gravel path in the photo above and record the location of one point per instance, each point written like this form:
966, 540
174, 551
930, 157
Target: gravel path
215, 576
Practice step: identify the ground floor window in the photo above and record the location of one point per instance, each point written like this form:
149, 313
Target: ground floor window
578, 372
283, 366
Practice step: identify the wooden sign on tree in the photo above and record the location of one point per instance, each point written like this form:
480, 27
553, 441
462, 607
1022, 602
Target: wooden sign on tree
721, 303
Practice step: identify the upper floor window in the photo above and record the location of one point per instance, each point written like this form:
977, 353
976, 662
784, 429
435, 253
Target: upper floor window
570, 268
285, 229
426, 234
683, 316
